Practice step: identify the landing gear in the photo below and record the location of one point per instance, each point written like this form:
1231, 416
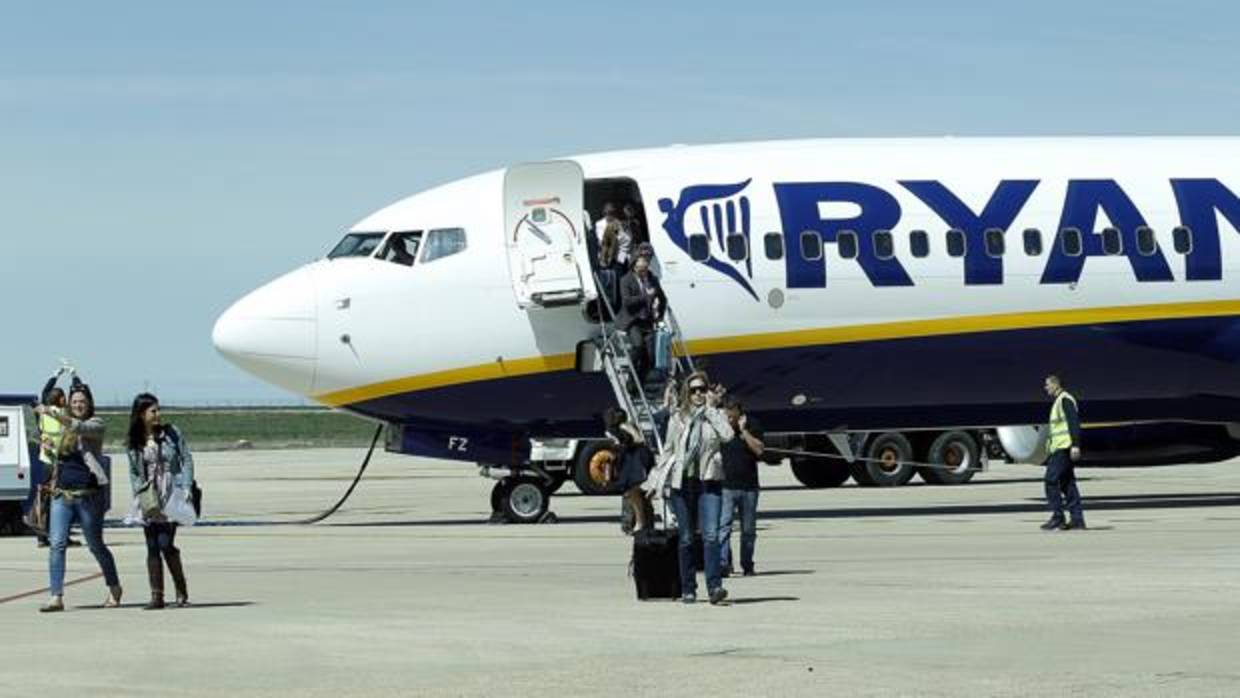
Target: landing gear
889, 454
521, 499
959, 454
591, 466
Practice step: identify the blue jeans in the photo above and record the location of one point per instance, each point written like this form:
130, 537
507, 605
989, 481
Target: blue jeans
698, 502
1060, 483
88, 512
747, 500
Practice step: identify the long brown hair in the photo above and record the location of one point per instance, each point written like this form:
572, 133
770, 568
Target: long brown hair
137, 422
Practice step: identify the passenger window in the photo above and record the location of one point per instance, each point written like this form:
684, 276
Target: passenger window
955, 243
1183, 238
774, 243
1033, 242
699, 248
995, 246
357, 245
402, 248
1071, 241
846, 243
1111, 243
1147, 244
919, 243
811, 245
738, 247
443, 243
884, 245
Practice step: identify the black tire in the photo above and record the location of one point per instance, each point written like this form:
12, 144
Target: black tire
581, 472
817, 473
957, 449
895, 450
525, 499
497, 496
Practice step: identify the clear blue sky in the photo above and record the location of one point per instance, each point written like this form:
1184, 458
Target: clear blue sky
157, 160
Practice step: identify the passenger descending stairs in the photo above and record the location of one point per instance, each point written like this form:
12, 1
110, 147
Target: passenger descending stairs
639, 400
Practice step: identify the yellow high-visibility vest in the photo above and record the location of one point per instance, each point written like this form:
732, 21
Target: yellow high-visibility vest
1060, 437
51, 436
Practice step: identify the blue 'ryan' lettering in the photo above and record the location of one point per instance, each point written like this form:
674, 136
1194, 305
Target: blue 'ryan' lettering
1004, 205
1198, 201
798, 210
1084, 199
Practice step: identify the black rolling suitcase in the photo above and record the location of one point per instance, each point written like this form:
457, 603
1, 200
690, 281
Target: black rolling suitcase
656, 565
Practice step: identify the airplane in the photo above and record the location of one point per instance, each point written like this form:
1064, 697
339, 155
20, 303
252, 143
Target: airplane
899, 298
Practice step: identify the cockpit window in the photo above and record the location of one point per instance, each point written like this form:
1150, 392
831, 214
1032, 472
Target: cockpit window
402, 248
442, 243
356, 245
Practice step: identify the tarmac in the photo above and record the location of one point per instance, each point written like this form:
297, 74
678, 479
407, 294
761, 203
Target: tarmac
915, 591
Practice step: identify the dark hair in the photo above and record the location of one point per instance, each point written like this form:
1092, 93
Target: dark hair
615, 419
84, 390
137, 425
732, 402
54, 396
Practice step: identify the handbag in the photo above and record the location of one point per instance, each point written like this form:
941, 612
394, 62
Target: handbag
40, 514
195, 495
39, 518
148, 501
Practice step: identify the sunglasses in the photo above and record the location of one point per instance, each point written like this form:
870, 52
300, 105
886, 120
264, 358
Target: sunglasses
697, 389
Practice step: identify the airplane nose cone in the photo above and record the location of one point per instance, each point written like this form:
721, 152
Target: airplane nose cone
272, 333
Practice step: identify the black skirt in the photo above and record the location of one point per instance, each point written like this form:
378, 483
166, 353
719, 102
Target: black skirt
635, 464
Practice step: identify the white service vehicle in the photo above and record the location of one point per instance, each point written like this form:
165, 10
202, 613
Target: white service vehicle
15, 471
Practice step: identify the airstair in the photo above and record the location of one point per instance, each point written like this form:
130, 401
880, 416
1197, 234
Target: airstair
640, 397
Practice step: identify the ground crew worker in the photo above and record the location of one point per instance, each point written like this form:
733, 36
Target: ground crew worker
1064, 448
52, 435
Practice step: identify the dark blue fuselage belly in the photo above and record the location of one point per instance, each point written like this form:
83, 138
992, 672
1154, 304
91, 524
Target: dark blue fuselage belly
1165, 370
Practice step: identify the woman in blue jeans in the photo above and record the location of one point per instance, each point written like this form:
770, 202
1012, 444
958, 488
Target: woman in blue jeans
695, 432
78, 495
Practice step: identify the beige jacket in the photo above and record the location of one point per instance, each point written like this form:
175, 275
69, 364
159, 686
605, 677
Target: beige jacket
715, 431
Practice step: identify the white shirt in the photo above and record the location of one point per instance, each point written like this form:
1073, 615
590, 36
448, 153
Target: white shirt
624, 239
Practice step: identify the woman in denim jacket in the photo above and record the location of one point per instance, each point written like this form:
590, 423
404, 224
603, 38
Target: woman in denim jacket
160, 459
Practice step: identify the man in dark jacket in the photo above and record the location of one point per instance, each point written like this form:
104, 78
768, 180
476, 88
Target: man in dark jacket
642, 306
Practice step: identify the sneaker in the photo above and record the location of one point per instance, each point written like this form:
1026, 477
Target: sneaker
689, 598
718, 595
1052, 524
748, 572
53, 605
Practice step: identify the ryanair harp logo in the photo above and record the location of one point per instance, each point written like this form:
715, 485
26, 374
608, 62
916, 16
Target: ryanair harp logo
719, 216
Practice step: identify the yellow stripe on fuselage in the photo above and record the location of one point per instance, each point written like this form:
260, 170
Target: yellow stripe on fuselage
907, 329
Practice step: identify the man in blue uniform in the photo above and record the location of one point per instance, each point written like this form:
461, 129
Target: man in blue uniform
1064, 449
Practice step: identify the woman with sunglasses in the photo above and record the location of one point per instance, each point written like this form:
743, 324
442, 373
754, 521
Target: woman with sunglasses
696, 431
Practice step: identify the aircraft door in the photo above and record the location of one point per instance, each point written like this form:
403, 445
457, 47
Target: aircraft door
545, 234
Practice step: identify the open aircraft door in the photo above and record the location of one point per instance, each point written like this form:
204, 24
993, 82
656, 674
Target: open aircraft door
545, 234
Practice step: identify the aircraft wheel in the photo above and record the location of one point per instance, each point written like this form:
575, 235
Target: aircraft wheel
817, 473
960, 455
524, 500
589, 471
891, 453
